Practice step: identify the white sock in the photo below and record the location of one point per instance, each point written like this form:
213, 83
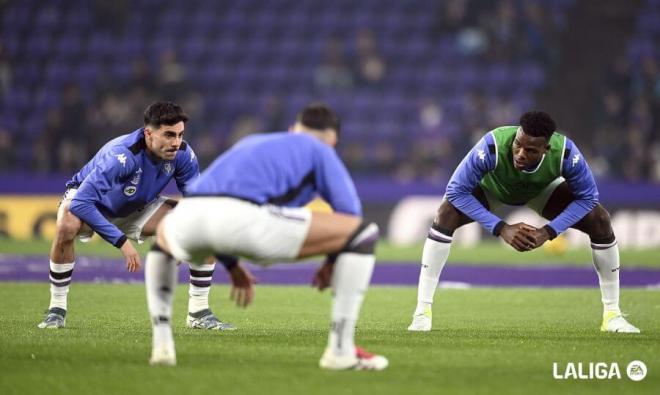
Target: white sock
160, 279
434, 257
606, 262
350, 280
60, 279
200, 286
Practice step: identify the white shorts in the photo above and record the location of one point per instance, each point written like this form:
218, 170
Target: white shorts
203, 226
537, 203
131, 225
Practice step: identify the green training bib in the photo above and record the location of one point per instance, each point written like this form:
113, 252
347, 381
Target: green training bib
515, 187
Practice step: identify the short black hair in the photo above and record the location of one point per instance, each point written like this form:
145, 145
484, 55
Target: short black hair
538, 124
164, 113
320, 117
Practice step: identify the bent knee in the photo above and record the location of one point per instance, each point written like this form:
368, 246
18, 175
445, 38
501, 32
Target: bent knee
68, 226
364, 239
599, 225
599, 217
448, 217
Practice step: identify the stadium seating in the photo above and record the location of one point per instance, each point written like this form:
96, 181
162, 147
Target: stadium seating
237, 54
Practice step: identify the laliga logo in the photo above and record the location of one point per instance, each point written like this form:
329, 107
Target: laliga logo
636, 371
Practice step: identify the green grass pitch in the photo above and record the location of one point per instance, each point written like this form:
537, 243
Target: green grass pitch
490, 341
488, 252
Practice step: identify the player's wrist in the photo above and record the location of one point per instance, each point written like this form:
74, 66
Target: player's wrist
121, 241
228, 261
497, 230
551, 232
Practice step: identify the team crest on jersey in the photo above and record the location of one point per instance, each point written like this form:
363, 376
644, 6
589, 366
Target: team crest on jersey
130, 190
168, 167
136, 178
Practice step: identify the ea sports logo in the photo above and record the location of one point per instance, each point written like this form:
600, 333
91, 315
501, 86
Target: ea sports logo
130, 190
636, 370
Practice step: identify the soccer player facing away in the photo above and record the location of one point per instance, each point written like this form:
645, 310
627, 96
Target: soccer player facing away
116, 195
530, 165
249, 203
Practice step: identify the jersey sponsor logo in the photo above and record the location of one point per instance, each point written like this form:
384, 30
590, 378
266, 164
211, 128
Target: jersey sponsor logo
130, 190
122, 159
482, 154
576, 159
136, 177
168, 167
192, 156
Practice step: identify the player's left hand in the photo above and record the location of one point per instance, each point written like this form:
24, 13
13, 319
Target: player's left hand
540, 236
323, 276
242, 285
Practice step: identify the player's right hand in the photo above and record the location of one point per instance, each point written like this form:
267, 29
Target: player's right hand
132, 257
242, 285
519, 236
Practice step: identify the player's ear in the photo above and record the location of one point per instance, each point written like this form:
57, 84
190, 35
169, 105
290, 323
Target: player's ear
330, 136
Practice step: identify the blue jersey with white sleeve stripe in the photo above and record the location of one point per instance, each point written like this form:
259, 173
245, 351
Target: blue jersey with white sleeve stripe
482, 159
121, 178
284, 169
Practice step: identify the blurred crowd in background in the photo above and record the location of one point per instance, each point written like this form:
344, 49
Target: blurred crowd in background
416, 83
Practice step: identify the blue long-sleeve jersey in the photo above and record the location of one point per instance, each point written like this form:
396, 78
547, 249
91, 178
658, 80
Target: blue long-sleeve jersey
481, 160
121, 178
285, 169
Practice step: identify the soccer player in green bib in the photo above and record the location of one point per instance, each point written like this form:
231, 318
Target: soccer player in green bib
530, 165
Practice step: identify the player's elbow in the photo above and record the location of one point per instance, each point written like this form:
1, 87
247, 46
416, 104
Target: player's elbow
452, 193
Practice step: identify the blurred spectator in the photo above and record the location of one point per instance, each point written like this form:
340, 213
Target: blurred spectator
452, 17
333, 72
5, 73
457, 19
142, 75
71, 144
504, 31
540, 32
7, 151
274, 118
207, 148
243, 126
110, 15
43, 148
171, 77
370, 64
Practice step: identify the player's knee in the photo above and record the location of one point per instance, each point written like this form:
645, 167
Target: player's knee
364, 239
447, 217
600, 223
68, 227
157, 247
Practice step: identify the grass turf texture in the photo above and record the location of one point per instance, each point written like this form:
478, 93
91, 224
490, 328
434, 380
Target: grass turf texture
484, 341
491, 252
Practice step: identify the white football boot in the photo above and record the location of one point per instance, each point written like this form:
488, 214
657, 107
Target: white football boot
362, 360
422, 321
163, 354
614, 322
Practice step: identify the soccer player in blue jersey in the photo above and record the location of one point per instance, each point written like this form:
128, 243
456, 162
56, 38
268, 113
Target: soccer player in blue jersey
533, 165
250, 202
117, 195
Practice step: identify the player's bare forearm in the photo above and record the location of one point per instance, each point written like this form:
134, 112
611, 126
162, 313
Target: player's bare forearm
131, 255
242, 290
323, 275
